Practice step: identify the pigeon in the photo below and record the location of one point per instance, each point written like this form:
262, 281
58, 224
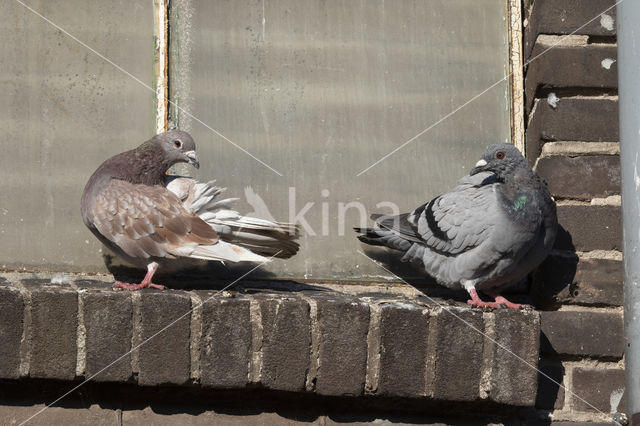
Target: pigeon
145, 215
484, 235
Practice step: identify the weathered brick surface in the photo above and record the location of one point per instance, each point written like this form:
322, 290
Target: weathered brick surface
589, 228
286, 332
565, 423
54, 326
587, 333
424, 352
567, 17
555, 274
455, 351
550, 392
582, 177
108, 322
568, 279
92, 415
11, 327
597, 281
570, 67
573, 119
513, 354
185, 416
404, 332
595, 388
225, 346
343, 324
165, 357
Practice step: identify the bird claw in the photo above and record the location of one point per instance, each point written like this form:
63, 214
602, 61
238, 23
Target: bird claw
486, 305
500, 303
134, 287
510, 305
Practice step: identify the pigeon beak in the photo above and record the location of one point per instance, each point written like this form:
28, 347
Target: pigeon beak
193, 159
478, 168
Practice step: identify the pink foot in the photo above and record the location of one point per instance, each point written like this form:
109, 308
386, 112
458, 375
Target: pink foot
500, 302
483, 304
133, 287
146, 282
510, 305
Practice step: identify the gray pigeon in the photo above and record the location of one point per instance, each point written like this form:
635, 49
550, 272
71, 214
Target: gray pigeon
486, 234
145, 216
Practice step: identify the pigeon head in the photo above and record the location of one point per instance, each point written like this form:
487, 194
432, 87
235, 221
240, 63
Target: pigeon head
501, 159
177, 147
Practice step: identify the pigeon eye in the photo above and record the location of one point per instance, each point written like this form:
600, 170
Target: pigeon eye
177, 143
500, 155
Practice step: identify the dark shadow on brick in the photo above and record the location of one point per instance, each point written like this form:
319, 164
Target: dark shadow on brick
189, 274
300, 406
550, 395
554, 274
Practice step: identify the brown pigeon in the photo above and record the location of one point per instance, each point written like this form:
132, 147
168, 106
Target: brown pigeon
145, 216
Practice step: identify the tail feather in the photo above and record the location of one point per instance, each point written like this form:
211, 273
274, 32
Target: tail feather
260, 236
383, 237
224, 251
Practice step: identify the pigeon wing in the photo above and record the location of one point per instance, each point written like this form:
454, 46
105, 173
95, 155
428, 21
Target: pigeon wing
456, 221
146, 221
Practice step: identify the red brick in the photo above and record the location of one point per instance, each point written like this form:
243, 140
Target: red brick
286, 333
455, 352
165, 357
595, 386
11, 328
343, 324
404, 331
570, 67
586, 333
573, 119
108, 321
514, 357
225, 347
582, 177
566, 17
597, 282
568, 279
589, 228
54, 326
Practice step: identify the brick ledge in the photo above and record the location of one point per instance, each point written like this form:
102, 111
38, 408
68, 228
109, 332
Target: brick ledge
327, 343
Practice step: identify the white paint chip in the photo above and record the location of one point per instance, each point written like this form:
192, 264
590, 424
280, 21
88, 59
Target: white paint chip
607, 62
615, 398
607, 22
553, 100
59, 279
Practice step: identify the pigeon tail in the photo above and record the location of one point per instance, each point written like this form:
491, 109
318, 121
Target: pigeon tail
383, 237
265, 238
224, 251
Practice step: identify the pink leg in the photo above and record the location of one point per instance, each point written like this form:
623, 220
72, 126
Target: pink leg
146, 282
476, 302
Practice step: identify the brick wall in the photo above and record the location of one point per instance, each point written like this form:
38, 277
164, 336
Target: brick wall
572, 139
